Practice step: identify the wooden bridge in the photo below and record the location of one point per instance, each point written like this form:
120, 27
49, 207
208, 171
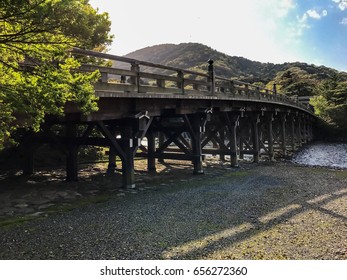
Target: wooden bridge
160, 112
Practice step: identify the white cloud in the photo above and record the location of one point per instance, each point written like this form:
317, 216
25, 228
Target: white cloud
313, 14
341, 3
316, 15
344, 21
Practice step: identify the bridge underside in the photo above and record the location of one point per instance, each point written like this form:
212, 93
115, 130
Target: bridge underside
166, 127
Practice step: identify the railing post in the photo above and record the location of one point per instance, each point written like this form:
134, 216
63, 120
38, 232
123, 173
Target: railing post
180, 83
247, 91
135, 67
232, 88
160, 83
104, 77
258, 92
211, 78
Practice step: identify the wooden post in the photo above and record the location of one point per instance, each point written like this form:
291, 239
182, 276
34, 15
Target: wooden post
241, 142
135, 80
310, 130
211, 74
197, 127
180, 83
271, 137
233, 123
283, 134
128, 167
292, 132
161, 142
72, 152
222, 138
304, 126
151, 150
299, 135
255, 135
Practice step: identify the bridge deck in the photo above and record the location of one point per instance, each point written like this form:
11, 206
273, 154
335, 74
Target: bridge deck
183, 114
142, 86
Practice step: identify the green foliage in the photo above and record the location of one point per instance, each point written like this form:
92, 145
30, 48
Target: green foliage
331, 102
295, 81
37, 76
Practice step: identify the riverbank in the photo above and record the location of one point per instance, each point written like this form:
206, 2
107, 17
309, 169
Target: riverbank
259, 211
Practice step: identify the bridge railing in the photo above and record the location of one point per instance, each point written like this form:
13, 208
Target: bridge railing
134, 76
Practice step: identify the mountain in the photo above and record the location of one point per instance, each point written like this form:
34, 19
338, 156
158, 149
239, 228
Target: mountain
194, 56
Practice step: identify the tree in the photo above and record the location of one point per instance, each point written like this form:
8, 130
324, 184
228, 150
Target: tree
331, 102
295, 81
37, 74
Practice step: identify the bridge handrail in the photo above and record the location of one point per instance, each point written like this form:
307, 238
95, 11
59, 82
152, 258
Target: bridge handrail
212, 82
133, 61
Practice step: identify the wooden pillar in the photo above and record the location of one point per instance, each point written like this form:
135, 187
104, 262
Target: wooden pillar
299, 134
270, 120
292, 132
72, 152
233, 123
305, 134
310, 129
255, 136
151, 150
222, 138
283, 133
241, 144
128, 167
211, 79
161, 142
197, 127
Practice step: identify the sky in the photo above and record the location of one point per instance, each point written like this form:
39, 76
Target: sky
276, 31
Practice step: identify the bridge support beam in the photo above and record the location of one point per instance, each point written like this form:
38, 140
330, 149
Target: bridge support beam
292, 132
299, 134
283, 120
132, 130
151, 151
128, 167
270, 120
232, 121
255, 136
197, 126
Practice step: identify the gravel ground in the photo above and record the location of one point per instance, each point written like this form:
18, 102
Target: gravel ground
259, 211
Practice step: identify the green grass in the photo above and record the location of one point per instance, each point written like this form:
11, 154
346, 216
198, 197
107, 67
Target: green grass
59, 208
15, 221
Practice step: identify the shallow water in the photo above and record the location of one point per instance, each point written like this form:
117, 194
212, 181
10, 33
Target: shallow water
323, 154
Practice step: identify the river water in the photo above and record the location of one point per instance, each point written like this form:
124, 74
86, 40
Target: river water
322, 154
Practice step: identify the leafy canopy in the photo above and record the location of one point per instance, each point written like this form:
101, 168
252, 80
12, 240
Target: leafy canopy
331, 102
37, 75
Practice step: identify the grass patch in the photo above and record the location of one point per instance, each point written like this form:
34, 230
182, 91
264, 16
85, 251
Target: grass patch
342, 174
78, 204
15, 221
59, 208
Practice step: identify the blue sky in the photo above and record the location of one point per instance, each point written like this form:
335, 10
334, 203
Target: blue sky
311, 31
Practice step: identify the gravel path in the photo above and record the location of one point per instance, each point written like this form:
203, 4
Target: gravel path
260, 211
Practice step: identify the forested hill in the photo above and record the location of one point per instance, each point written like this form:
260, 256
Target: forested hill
195, 56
